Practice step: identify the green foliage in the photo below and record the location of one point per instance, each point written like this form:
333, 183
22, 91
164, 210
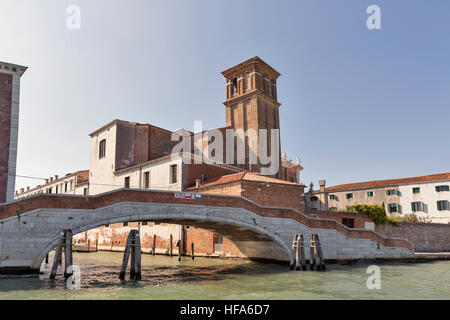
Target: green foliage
376, 212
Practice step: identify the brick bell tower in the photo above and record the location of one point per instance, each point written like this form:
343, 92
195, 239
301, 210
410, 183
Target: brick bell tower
9, 127
252, 103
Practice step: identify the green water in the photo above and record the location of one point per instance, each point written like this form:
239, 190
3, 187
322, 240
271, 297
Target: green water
203, 278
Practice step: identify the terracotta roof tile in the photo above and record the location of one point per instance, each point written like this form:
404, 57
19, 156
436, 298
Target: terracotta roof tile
246, 176
389, 182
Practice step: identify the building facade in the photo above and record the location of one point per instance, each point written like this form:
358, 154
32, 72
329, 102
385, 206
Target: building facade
132, 155
10, 75
428, 197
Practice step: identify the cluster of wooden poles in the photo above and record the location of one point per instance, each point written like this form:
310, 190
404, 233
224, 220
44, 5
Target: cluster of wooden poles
133, 252
316, 260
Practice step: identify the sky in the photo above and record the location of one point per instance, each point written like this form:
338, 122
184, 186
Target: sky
357, 104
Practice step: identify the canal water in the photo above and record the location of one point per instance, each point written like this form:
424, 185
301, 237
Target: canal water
205, 278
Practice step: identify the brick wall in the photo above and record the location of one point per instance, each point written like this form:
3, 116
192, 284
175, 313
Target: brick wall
427, 237
5, 130
358, 218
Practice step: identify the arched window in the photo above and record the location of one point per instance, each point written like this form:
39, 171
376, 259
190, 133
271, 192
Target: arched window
102, 149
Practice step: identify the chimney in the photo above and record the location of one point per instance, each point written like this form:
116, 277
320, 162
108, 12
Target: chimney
17, 192
22, 190
56, 177
198, 183
46, 181
28, 188
51, 179
322, 196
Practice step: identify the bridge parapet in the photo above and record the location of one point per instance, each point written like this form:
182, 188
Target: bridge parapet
48, 201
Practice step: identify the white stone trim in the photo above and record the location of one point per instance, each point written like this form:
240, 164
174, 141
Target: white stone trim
13, 137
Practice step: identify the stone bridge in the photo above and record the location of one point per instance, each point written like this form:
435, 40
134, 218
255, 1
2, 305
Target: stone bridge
30, 228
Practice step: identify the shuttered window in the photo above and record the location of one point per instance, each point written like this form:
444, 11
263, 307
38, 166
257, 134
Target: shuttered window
393, 207
442, 188
416, 190
349, 196
370, 194
442, 205
417, 206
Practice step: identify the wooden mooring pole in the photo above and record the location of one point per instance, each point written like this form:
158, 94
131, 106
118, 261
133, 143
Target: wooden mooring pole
68, 258
179, 250
192, 250
171, 246
299, 252
319, 254
57, 257
154, 244
316, 254
133, 248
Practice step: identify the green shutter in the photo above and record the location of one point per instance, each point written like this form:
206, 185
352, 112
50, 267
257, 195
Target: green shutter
389, 208
439, 206
437, 189
412, 206
447, 188
387, 192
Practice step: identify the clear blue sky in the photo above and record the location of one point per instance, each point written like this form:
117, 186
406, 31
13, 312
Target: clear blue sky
358, 104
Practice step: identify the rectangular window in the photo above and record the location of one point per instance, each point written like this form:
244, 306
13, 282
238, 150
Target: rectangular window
85, 191
393, 207
442, 205
332, 197
416, 206
173, 173
349, 222
442, 188
57, 189
349, 196
370, 194
102, 149
127, 182
146, 180
125, 224
144, 223
416, 190
313, 198
392, 192
332, 209
65, 187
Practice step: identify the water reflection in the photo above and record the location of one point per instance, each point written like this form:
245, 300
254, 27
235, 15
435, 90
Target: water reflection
204, 278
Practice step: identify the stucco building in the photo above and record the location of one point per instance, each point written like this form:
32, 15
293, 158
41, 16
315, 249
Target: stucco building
132, 155
428, 196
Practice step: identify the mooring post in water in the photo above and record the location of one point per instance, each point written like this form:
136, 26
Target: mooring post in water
137, 258
153, 245
192, 250
46, 259
96, 245
57, 257
312, 252
300, 261
89, 245
294, 249
133, 254
319, 254
68, 258
171, 246
126, 256
179, 249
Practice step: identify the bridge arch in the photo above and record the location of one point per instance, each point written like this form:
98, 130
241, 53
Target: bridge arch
252, 239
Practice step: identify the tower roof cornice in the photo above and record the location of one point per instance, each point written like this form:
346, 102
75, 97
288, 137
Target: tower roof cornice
255, 61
